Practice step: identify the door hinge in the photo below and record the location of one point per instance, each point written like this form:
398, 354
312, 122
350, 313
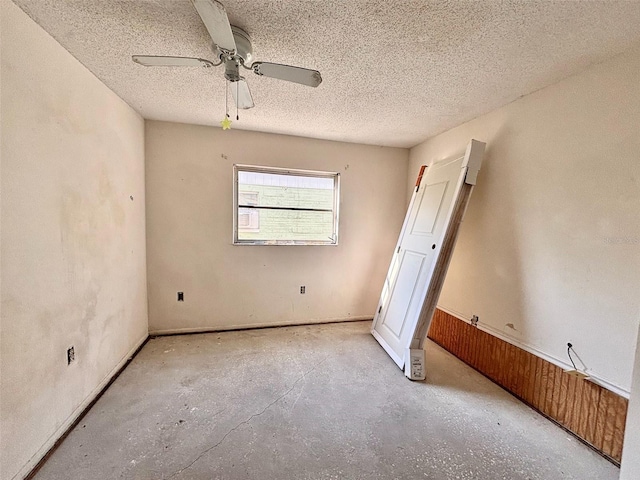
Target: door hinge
380, 310
398, 251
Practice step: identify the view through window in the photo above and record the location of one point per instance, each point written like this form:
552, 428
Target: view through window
274, 206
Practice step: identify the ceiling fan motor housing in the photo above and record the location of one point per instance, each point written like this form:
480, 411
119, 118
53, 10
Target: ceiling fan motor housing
244, 50
243, 54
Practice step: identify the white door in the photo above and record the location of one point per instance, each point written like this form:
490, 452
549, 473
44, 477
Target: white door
415, 256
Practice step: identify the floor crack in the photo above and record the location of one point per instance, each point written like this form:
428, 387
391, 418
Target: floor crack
244, 422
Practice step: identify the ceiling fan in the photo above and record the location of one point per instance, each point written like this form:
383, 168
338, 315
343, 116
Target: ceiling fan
232, 47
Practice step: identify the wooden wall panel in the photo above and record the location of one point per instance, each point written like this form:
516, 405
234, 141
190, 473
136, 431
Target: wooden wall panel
590, 411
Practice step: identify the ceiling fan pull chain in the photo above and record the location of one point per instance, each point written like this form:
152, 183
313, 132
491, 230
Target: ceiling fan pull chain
226, 123
226, 98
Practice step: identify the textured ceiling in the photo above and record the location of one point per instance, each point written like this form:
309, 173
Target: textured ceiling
395, 71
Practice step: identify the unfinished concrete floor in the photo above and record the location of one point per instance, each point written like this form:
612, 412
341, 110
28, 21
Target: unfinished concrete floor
311, 402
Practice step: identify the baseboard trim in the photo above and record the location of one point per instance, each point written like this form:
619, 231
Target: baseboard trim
253, 326
36, 462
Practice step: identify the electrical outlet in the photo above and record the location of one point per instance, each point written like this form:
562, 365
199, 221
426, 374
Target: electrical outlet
71, 355
303, 289
474, 320
181, 296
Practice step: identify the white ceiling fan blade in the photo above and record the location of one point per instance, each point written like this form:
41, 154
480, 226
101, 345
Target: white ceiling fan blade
304, 76
215, 18
161, 61
241, 94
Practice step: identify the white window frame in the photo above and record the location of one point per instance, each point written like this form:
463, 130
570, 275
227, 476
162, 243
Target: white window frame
286, 171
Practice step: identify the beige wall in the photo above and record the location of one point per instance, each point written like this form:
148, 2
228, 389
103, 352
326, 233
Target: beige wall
551, 240
189, 231
73, 242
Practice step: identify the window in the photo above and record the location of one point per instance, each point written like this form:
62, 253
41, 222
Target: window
277, 206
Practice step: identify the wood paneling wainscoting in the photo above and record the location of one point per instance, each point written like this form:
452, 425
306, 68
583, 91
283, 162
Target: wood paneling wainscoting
590, 411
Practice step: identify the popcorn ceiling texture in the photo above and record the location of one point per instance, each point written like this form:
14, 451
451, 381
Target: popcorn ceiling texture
395, 71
